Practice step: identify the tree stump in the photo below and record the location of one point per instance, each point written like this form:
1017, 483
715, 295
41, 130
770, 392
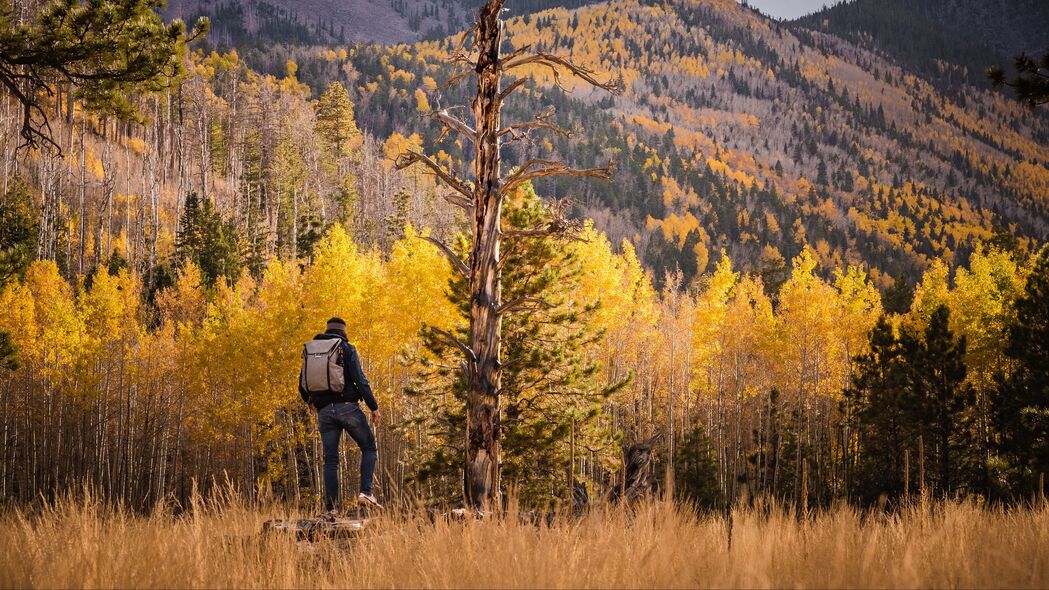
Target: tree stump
637, 478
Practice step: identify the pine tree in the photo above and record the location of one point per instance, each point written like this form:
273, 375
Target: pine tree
18, 232
1031, 83
696, 470
908, 391
106, 49
8, 352
899, 296
821, 174
945, 407
879, 402
1021, 405
396, 221
208, 241
335, 122
551, 392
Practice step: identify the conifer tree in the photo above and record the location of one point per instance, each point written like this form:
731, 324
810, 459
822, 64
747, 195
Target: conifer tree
335, 122
910, 390
340, 138
8, 352
105, 49
18, 232
207, 240
945, 407
1031, 83
551, 392
1021, 405
696, 470
899, 296
880, 401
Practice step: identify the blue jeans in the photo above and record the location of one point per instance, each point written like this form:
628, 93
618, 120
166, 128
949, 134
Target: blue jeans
332, 419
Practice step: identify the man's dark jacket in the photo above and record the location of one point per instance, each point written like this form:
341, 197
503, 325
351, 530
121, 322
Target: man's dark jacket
357, 387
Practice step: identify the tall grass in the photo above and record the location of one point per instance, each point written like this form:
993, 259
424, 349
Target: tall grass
82, 543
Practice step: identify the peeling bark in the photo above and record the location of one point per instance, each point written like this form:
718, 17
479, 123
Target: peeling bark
484, 199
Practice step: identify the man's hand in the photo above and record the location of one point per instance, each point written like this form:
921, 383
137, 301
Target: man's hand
376, 418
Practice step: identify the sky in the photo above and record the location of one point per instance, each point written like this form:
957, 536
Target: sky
789, 8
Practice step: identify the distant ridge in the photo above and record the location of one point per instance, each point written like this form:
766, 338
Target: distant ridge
922, 34
254, 22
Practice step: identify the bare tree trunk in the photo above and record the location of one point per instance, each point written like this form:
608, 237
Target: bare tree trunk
82, 222
482, 454
6, 142
482, 365
127, 201
295, 223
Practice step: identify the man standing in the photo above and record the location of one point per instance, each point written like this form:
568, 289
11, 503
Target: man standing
333, 383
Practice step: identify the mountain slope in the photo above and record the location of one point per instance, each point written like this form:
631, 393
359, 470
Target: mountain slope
737, 133
929, 36
740, 133
236, 23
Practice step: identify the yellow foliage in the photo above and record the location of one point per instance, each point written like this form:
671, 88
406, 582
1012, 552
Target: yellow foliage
981, 305
709, 338
137, 145
422, 104
183, 306
94, 165
398, 144
719, 167
405, 78
814, 361
932, 292
59, 330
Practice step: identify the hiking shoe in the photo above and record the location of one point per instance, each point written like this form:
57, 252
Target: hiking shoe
368, 500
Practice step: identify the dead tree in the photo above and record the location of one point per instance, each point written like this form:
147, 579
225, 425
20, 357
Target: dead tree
479, 54
637, 477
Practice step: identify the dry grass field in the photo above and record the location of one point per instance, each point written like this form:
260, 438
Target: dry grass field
81, 544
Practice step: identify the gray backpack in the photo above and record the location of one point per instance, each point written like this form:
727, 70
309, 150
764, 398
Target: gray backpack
322, 366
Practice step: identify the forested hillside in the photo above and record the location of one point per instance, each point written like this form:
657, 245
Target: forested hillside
946, 41
740, 133
241, 23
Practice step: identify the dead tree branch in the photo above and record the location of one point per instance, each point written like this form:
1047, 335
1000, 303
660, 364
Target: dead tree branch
522, 303
458, 201
450, 121
450, 339
412, 157
538, 168
556, 63
543, 120
457, 263
559, 224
